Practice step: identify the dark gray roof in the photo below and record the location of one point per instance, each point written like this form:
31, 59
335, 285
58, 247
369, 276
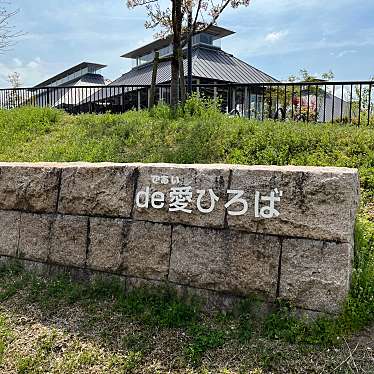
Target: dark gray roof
219, 65
208, 63
218, 32
89, 80
69, 71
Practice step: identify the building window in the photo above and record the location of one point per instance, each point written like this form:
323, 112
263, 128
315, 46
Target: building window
165, 51
202, 38
73, 76
145, 59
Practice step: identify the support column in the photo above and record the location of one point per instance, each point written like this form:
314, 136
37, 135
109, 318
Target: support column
234, 99
215, 93
246, 102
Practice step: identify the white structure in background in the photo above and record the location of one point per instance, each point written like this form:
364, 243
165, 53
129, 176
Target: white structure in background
67, 89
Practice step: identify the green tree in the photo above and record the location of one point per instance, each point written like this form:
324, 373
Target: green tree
305, 76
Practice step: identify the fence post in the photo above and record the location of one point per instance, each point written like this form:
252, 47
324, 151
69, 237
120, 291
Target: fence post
369, 104
123, 100
229, 97
48, 96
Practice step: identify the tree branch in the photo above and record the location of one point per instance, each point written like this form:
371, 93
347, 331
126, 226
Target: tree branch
135, 3
217, 14
192, 32
7, 33
218, 11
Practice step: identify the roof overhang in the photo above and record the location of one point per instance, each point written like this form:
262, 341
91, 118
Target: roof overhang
69, 71
218, 32
148, 48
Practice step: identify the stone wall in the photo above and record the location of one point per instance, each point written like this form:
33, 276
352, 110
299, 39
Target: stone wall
281, 232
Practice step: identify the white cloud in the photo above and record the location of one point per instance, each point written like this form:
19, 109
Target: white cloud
30, 72
346, 52
33, 64
17, 62
275, 36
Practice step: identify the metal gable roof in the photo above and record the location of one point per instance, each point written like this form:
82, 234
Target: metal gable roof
89, 80
71, 94
208, 63
69, 71
219, 65
217, 31
143, 75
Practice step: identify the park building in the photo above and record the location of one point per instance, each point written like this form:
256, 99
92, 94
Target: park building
211, 65
213, 71
69, 88
65, 90
241, 87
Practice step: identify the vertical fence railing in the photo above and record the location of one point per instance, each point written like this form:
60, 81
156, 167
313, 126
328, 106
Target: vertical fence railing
320, 101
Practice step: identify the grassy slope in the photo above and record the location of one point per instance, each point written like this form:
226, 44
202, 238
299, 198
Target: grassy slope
43, 134
48, 135
33, 134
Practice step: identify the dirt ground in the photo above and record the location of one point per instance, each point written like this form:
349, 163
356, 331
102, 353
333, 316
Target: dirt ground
91, 338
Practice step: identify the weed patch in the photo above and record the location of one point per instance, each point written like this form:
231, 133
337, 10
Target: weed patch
150, 315
203, 338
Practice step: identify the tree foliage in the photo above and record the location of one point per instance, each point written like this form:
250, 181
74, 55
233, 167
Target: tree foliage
305, 76
204, 14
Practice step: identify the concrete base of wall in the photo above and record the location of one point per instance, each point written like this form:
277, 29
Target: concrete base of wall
210, 301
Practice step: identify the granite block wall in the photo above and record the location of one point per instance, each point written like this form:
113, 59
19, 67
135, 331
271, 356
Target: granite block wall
280, 232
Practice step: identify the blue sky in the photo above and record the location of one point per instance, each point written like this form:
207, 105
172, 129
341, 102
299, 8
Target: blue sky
277, 36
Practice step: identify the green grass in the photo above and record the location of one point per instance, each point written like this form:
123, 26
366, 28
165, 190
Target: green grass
71, 326
5, 336
200, 135
32, 134
154, 307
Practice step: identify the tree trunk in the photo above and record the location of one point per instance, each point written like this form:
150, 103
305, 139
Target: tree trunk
182, 81
177, 28
152, 93
174, 83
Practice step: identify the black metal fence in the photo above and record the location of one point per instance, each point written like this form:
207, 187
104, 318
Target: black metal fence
336, 102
